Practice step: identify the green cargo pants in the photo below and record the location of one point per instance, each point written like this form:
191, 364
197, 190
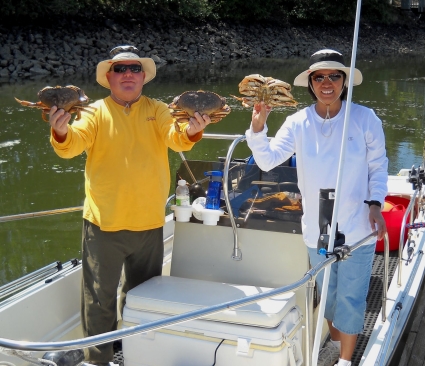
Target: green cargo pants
137, 255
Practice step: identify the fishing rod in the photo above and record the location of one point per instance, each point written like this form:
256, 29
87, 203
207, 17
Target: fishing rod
324, 294
40, 214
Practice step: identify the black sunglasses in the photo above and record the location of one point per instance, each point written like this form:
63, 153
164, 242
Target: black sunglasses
120, 49
121, 68
331, 77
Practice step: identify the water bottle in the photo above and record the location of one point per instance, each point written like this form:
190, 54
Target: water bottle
214, 189
182, 193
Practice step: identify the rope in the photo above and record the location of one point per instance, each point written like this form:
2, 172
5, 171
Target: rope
127, 106
26, 356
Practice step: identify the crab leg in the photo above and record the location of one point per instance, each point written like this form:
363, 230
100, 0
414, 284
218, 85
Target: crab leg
282, 104
277, 82
177, 127
84, 107
25, 103
219, 114
183, 120
282, 98
44, 115
79, 109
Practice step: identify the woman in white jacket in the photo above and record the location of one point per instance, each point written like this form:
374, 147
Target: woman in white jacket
315, 135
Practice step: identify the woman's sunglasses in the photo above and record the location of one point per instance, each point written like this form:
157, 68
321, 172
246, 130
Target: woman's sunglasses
331, 77
120, 49
121, 68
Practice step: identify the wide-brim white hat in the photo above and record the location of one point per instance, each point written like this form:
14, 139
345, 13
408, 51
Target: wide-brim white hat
103, 67
328, 60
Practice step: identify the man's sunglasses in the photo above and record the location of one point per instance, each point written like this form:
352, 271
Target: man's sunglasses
331, 77
120, 49
121, 68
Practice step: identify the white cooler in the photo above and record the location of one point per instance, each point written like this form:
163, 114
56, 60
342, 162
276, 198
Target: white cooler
264, 333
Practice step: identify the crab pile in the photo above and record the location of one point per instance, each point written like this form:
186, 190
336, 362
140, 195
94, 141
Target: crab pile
70, 98
186, 104
273, 92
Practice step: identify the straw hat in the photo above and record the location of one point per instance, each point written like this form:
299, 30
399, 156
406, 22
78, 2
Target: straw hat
327, 60
122, 54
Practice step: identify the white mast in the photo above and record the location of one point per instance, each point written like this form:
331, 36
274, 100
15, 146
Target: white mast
337, 189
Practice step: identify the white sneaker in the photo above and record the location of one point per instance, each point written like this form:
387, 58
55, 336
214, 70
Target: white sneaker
343, 363
328, 355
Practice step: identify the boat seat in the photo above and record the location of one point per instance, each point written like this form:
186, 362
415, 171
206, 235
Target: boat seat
175, 295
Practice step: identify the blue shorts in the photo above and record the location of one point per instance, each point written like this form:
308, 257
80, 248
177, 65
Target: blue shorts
348, 288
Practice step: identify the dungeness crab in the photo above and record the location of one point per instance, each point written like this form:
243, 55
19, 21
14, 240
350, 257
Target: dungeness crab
257, 88
185, 105
70, 98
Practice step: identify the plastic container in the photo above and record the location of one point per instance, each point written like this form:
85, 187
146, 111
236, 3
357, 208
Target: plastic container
214, 189
263, 333
393, 212
182, 193
198, 206
182, 213
211, 217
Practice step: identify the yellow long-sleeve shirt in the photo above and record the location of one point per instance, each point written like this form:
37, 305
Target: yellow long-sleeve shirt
127, 174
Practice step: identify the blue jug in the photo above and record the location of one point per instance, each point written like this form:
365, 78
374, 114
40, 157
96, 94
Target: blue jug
214, 189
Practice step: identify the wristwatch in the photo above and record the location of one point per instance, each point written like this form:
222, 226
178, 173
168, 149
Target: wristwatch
374, 203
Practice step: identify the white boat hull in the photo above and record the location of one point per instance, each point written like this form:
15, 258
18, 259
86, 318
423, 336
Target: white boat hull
49, 311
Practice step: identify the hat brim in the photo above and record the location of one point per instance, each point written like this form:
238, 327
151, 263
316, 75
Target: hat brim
302, 79
103, 67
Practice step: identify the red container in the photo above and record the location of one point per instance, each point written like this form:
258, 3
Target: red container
393, 213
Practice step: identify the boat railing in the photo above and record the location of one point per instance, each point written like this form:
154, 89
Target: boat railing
308, 279
43, 274
410, 210
396, 312
237, 253
18, 285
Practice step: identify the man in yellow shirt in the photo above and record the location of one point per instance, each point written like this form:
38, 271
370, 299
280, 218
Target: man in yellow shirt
127, 180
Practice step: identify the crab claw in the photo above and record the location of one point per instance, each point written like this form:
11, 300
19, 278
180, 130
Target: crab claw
29, 104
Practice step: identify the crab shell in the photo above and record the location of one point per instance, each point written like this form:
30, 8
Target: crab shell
70, 98
62, 97
257, 88
185, 105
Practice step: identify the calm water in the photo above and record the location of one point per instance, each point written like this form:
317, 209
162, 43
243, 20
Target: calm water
33, 178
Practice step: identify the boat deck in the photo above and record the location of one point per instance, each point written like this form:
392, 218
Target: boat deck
374, 301
118, 356
413, 353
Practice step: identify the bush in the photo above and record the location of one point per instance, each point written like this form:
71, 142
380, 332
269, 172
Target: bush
321, 12
249, 10
34, 9
316, 12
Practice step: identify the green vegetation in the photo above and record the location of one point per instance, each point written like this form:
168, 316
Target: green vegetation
318, 12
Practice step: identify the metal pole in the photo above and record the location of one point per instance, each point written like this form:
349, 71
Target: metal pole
324, 294
385, 280
237, 253
410, 209
172, 320
309, 321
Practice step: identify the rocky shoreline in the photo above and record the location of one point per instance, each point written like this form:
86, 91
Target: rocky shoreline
76, 46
